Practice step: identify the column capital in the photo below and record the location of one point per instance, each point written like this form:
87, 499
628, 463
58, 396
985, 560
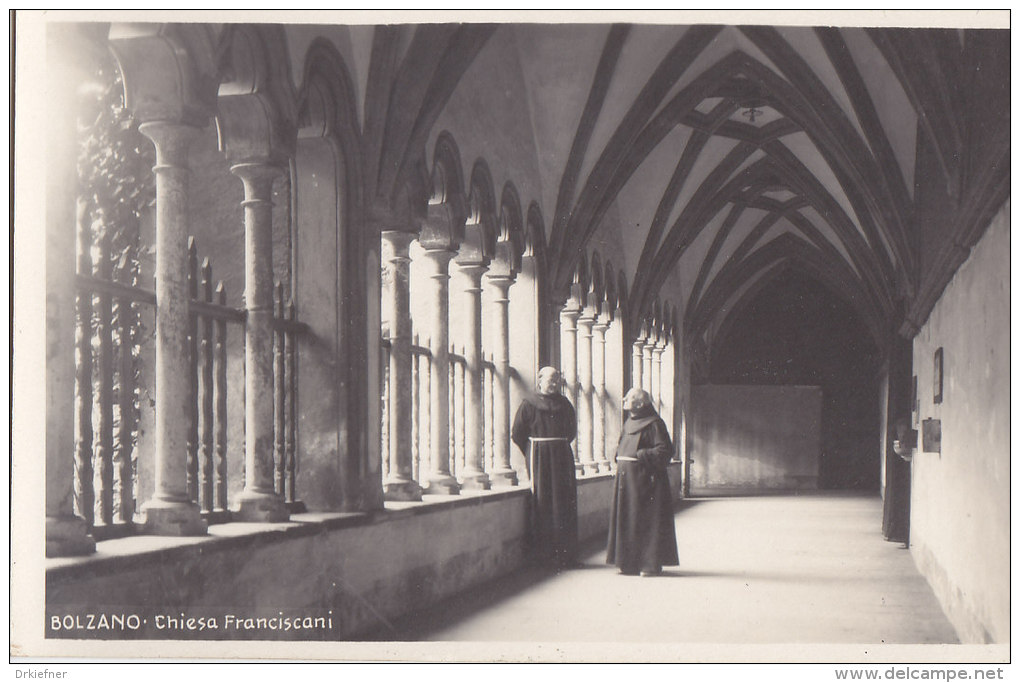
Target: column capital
585, 326
399, 239
474, 272
570, 315
502, 283
500, 279
255, 170
440, 255
587, 316
172, 141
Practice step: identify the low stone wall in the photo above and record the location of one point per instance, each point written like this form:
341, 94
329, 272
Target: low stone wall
357, 573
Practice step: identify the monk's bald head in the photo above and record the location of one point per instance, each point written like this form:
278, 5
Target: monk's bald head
635, 399
549, 380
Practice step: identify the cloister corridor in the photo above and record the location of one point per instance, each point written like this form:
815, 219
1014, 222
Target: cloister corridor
782, 569
285, 284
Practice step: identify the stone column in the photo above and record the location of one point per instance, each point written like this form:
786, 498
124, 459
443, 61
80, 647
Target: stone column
258, 501
503, 474
568, 357
617, 383
667, 385
646, 364
440, 479
399, 484
585, 451
474, 476
635, 364
598, 379
656, 390
66, 533
170, 511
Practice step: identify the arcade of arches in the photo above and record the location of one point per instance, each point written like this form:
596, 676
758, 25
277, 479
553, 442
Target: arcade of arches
363, 241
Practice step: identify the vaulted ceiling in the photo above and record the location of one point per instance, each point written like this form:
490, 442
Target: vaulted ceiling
721, 155
699, 160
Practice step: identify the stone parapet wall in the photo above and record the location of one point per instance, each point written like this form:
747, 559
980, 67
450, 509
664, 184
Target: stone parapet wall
364, 571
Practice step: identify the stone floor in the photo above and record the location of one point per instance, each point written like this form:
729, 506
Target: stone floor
753, 570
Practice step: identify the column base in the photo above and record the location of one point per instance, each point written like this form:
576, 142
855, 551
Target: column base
590, 468
172, 518
476, 481
504, 478
402, 489
67, 536
444, 485
578, 469
604, 467
258, 506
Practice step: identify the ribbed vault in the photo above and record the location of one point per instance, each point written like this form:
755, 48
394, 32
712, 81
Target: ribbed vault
697, 156
700, 155
745, 148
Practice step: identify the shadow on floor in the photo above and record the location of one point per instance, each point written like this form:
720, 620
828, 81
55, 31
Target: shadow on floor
414, 625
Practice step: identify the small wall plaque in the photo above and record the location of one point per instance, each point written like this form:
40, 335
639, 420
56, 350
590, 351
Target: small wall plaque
931, 436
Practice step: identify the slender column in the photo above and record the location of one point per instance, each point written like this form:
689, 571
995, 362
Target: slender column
279, 397
585, 451
598, 379
399, 484
503, 474
220, 401
170, 511
66, 533
617, 383
473, 476
646, 364
568, 357
668, 387
440, 479
259, 500
656, 391
635, 364
459, 440
205, 393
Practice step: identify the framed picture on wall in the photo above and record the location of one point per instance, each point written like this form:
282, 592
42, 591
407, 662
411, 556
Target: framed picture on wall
936, 379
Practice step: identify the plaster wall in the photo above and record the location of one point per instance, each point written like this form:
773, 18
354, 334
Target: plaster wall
960, 501
753, 438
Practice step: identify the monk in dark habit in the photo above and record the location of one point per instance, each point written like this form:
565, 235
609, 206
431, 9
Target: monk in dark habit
543, 428
641, 534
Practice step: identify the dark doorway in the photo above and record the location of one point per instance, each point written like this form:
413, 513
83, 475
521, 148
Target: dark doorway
795, 331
